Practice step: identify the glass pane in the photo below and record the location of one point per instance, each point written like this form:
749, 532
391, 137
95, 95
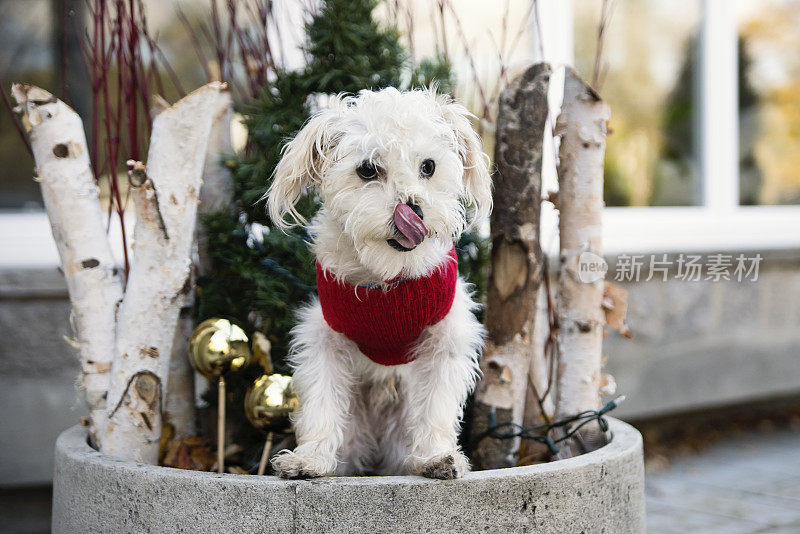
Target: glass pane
33, 50
647, 77
25, 56
769, 101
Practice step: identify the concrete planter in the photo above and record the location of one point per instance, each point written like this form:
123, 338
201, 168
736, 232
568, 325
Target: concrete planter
602, 491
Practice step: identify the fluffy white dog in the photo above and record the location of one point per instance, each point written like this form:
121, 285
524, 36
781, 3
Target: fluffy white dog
384, 360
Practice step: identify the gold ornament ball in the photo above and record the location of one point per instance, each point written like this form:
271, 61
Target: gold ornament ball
269, 401
217, 347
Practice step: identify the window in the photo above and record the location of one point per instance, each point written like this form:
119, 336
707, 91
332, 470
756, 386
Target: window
647, 75
706, 128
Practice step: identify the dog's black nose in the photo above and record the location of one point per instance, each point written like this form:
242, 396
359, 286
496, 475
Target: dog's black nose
416, 209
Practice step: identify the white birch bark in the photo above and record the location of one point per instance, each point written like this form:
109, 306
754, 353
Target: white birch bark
216, 194
582, 126
179, 401
71, 200
166, 209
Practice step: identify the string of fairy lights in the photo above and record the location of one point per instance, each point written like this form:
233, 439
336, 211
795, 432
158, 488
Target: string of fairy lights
567, 426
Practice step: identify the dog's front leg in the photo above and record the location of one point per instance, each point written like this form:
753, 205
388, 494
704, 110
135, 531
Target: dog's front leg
439, 381
323, 380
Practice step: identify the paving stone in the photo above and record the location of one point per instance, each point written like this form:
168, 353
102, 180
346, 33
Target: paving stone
746, 484
668, 519
786, 529
787, 489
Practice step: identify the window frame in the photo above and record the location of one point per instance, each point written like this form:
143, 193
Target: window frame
719, 223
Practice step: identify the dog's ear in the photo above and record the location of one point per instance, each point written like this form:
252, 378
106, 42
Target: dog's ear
302, 165
477, 180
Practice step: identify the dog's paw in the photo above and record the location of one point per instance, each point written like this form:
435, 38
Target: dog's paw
445, 466
289, 464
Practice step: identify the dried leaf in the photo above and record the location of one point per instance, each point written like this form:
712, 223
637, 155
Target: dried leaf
506, 376
170, 452
615, 306
189, 453
552, 197
261, 351
203, 459
182, 459
608, 386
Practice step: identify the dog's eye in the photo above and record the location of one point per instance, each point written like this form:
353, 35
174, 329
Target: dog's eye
367, 171
427, 168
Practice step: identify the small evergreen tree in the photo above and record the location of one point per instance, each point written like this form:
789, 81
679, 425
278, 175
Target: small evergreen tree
261, 274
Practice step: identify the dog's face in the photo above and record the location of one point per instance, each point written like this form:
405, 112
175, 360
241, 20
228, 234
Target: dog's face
396, 171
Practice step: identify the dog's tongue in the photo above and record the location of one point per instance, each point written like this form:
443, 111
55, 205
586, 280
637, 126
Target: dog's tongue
412, 229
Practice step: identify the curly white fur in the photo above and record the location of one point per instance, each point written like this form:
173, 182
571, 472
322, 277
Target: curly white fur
357, 416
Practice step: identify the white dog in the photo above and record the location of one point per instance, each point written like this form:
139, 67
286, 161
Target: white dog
386, 357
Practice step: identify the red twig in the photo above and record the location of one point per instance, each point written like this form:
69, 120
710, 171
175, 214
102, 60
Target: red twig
551, 346
485, 104
538, 25
122, 82
198, 48
242, 43
605, 19
173, 76
445, 50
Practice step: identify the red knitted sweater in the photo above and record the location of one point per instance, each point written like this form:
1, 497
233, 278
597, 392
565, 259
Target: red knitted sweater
385, 323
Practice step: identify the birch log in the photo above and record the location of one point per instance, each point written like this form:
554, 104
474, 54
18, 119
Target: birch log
216, 195
179, 402
178, 409
515, 266
582, 126
70, 198
166, 207
539, 405
217, 192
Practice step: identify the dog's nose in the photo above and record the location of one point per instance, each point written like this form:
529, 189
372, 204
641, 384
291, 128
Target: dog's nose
416, 209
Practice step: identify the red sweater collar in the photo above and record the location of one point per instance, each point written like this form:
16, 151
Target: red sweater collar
386, 322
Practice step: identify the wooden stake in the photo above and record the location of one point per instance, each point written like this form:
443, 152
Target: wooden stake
262, 465
516, 264
221, 425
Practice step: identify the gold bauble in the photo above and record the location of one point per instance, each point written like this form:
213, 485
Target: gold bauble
269, 401
217, 347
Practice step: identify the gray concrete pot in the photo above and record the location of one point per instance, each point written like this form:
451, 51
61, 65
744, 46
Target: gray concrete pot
602, 491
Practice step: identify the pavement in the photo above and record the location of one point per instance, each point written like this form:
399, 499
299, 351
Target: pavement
742, 484
25, 510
